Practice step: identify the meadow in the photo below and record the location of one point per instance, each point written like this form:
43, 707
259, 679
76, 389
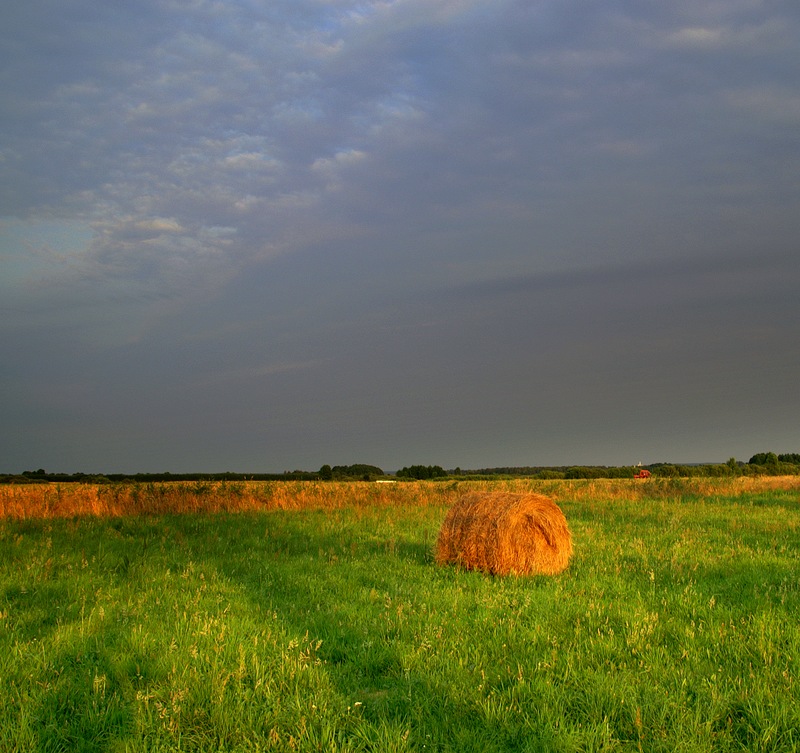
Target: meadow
310, 616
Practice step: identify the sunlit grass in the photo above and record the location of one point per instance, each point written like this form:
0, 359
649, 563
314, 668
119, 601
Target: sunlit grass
674, 629
67, 500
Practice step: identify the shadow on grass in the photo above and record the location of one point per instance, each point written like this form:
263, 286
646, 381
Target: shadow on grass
374, 598
395, 629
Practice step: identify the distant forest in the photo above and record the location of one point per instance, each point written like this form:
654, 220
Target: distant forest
761, 464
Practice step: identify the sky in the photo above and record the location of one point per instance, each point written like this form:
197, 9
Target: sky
264, 236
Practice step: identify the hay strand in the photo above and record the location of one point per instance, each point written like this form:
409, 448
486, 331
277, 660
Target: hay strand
503, 533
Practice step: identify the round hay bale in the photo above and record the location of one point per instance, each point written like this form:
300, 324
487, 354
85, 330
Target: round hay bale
504, 532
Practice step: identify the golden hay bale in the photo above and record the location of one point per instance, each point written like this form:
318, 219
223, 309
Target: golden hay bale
504, 532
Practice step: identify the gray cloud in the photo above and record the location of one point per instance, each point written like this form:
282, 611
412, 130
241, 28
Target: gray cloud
423, 230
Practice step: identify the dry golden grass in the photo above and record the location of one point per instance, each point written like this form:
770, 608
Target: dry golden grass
503, 533
67, 500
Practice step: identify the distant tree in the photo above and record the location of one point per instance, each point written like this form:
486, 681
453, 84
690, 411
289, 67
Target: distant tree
667, 470
326, 472
764, 458
422, 472
713, 469
583, 472
356, 471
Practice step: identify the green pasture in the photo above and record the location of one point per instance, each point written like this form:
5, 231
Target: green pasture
675, 628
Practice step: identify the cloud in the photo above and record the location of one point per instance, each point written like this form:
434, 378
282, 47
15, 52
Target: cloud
129, 229
779, 105
414, 185
748, 39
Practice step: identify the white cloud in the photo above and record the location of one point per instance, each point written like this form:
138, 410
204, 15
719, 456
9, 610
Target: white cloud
767, 37
342, 158
695, 37
251, 161
404, 14
158, 225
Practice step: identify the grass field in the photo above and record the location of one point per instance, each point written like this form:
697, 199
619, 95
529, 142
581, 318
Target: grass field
312, 618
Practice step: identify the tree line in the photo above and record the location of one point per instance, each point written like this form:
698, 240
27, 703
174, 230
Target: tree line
760, 464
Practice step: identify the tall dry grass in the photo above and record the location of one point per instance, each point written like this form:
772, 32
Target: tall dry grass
68, 500
54, 500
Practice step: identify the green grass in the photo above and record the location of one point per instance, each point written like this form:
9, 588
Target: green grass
674, 629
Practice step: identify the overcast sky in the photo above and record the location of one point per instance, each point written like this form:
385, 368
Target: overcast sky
255, 235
